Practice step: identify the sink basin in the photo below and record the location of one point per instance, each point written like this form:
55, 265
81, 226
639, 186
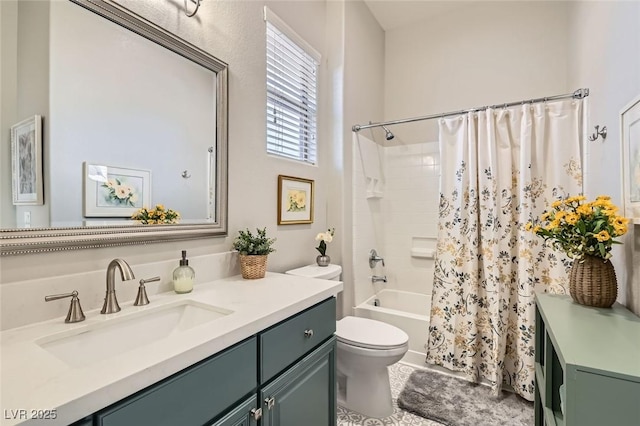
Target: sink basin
114, 336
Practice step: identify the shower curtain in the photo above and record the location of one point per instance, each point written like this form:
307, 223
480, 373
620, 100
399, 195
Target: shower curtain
500, 168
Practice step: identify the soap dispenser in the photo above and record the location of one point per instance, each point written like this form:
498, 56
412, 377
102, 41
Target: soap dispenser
183, 275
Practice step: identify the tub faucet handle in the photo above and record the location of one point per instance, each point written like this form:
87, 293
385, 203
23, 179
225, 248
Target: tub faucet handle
374, 258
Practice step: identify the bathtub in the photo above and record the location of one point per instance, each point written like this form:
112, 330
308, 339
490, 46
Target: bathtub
405, 310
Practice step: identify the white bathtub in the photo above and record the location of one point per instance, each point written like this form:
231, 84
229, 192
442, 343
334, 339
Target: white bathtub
405, 310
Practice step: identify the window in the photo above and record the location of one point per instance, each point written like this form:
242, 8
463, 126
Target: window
292, 68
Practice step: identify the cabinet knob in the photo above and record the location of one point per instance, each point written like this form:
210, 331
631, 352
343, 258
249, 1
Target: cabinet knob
270, 402
256, 413
308, 333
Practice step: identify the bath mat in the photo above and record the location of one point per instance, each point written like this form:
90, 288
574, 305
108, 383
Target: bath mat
456, 402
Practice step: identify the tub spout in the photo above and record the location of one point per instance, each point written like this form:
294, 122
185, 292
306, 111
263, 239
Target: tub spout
377, 278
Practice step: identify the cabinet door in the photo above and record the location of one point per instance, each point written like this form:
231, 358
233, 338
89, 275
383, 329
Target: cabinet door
305, 394
242, 415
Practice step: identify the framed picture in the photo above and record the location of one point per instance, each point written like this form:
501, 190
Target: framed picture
26, 162
630, 138
114, 191
295, 200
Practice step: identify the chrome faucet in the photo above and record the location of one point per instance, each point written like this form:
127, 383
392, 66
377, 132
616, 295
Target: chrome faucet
376, 278
110, 302
374, 258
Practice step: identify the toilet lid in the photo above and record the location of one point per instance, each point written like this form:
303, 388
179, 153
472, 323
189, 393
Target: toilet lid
368, 333
314, 271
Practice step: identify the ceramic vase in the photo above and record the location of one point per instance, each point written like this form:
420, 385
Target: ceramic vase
323, 260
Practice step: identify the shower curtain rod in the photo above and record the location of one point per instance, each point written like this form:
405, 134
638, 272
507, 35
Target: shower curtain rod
578, 94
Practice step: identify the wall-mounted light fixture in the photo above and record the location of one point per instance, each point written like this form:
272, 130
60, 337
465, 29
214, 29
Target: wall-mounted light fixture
186, 9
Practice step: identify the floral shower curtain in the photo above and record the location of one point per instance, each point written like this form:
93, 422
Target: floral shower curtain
500, 169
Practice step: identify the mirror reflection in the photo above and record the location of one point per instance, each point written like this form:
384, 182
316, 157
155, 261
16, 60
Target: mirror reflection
126, 123
111, 141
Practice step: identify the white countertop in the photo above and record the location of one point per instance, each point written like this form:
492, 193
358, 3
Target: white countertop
34, 379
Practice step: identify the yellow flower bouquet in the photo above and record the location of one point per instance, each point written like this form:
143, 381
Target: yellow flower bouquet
581, 228
157, 215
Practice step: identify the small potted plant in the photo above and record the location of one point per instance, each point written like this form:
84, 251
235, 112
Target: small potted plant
324, 238
253, 251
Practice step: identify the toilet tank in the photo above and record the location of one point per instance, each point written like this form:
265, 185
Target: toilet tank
330, 272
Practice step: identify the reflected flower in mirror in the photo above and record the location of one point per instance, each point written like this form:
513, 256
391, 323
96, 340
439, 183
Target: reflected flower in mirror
157, 215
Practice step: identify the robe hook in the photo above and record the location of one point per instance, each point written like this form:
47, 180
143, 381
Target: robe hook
599, 132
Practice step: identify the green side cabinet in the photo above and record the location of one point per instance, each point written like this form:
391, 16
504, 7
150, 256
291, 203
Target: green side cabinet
282, 376
587, 364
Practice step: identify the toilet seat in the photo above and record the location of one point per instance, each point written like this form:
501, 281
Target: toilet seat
370, 334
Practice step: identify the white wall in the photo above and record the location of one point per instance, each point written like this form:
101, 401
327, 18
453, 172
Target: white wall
604, 55
363, 101
8, 102
487, 53
234, 32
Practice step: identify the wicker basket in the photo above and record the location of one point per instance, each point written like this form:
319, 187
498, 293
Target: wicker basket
592, 282
253, 266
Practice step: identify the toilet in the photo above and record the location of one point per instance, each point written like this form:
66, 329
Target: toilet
365, 348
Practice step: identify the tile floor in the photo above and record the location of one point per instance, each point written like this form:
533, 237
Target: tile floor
398, 375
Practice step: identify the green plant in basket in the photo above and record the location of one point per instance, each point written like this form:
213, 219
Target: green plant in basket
250, 244
581, 228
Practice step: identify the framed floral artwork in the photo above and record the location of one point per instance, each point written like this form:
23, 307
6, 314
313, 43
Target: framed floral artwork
295, 200
26, 162
630, 150
114, 191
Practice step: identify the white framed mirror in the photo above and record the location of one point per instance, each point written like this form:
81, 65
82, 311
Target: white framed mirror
132, 116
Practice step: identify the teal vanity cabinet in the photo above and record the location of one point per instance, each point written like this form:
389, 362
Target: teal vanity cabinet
193, 396
298, 383
587, 364
282, 376
245, 414
304, 394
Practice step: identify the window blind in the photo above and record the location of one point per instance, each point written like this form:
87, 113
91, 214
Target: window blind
291, 98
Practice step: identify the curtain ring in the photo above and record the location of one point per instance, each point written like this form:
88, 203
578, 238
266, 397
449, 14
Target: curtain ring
186, 12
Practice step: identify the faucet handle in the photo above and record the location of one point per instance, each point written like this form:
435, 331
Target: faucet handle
374, 258
141, 298
75, 313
